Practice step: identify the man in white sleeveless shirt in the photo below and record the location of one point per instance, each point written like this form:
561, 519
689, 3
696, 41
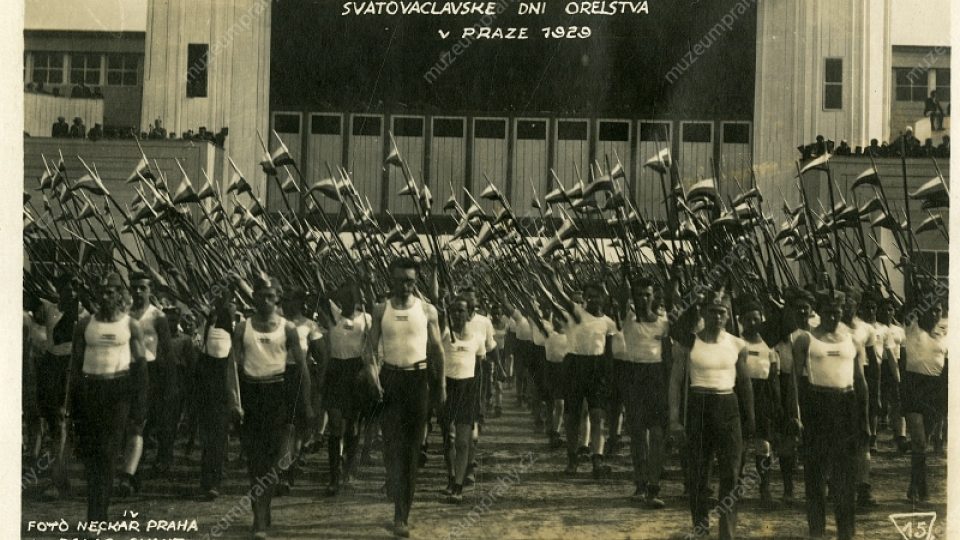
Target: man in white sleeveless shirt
833, 412
212, 391
257, 391
155, 418
409, 330
107, 374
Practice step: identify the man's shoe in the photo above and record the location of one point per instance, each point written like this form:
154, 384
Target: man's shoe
401, 529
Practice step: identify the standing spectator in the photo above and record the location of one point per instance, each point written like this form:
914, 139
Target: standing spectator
96, 133
60, 128
78, 130
944, 149
157, 131
935, 111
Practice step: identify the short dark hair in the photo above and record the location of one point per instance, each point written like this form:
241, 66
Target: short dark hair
642, 282
404, 263
596, 286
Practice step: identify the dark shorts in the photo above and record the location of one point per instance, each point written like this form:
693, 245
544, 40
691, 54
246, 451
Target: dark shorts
889, 387
553, 379
871, 372
538, 359
923, 394
52, 386
521, 356
294, 395
765, 408
460, 407
643, 389
585, 378
342, 386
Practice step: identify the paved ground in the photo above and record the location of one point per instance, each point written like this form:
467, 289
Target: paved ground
520, 494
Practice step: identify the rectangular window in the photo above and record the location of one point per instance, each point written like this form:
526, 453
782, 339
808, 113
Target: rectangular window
943, 84
408, 127
48, 67
736, 133
833, 84
448, 127
910, 84
490, 129
697, 132
368, 126
286, 123
197, 60
85, 68
535, 130
654, 131
571, 131
937, 263
123, 69
613, 131
325, 124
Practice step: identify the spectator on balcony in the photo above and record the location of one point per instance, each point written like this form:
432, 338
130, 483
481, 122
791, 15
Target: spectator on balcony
843, 149
157, 131
874, 148
55, 91
77, 91
96, 133
944, 149
97, 93
933, 109
40, 89
821, 146
221, 138
78, 130
61, 128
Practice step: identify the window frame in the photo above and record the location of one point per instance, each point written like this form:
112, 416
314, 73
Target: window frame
920, 84
198, 86
86, 69
827, 84
47, 69
123, 70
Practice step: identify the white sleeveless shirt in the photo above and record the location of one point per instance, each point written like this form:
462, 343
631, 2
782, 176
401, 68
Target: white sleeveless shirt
264, 354
460, 355
643, 341
760, 358
107, 349
831, 364
346, 337
148, 321
926, 353
218, 342
404, 334
714, 365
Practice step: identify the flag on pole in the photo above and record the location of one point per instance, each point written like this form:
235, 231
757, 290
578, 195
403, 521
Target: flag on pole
660, 162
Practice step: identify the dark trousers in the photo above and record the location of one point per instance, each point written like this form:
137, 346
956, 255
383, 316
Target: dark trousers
830, 442
163, 411
265, 416
213, 417
406, 400
643, 390
52, 387
713, 428
101, 410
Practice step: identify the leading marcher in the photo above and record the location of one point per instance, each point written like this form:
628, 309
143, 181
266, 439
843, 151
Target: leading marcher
712, 368
411, 369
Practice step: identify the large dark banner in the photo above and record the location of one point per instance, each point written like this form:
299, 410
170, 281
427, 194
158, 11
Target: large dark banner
600, 63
